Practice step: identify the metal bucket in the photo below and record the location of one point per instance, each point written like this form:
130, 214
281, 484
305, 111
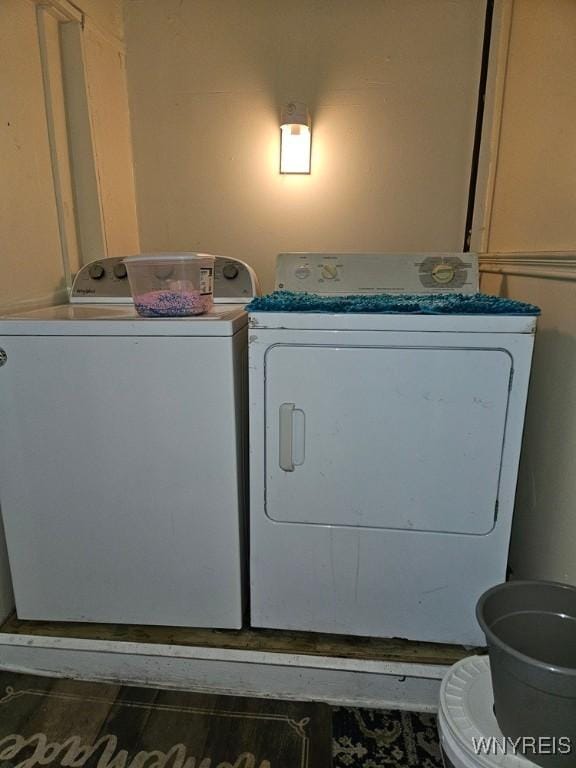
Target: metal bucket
530, 628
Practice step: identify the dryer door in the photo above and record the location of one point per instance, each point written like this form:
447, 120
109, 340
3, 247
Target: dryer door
385, 437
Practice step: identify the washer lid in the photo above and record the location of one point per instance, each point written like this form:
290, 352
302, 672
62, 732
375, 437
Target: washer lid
466, 702
116, 320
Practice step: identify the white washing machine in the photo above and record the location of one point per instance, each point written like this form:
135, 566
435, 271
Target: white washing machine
122, 455
384, 451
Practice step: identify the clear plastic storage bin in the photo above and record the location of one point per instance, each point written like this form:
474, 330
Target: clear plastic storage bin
171, 284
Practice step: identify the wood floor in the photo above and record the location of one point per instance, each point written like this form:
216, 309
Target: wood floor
264, 640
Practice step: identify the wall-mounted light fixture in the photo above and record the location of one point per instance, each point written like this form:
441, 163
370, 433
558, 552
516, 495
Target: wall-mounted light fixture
295, 138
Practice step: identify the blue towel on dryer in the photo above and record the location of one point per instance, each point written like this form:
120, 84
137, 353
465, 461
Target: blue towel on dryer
430, 304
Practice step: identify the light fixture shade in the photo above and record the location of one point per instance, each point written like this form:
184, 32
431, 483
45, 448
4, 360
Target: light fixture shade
295, 138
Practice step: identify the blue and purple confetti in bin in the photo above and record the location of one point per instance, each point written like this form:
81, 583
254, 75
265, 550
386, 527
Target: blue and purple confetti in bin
171, 284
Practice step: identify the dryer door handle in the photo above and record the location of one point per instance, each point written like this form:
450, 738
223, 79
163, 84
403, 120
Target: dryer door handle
291, 427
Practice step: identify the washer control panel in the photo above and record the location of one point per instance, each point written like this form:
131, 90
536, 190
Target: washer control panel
105, 281
366, 273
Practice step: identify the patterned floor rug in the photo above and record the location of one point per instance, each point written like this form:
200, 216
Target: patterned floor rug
49, 722
365, 738
67, 724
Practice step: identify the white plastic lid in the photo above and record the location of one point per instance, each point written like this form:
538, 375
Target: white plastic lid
154, 258
467, 713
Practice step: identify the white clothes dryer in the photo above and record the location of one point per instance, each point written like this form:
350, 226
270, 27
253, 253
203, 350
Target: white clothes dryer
384, 451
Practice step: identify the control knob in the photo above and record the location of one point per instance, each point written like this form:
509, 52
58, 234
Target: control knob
230, 271
443, 273
120, 270
329, 271
96, 271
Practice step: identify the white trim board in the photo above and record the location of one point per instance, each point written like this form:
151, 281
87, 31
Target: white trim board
336, 681
62, 9
552, 265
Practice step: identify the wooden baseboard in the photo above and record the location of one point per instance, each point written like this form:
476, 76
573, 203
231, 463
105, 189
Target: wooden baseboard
339, 670
337, 681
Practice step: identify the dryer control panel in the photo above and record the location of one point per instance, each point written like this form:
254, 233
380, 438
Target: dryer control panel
366, 273
105, 281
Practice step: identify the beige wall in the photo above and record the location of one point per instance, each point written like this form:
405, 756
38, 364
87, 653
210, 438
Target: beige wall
535, 210
112, 144
106, 14
392, 90
31, 258
544, 540
535, 194
29, 239
30, 247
